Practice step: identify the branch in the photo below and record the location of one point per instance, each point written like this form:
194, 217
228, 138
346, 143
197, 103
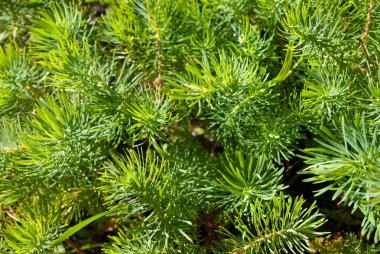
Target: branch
369, 15
365, 51
158, 82
71, 244
259, 240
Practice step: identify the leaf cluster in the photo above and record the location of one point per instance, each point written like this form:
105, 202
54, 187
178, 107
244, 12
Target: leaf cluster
180, 121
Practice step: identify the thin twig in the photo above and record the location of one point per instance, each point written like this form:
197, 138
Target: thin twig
159, 53
12, 216
158, 82
261, 239
71, 244
369, 15
364, 49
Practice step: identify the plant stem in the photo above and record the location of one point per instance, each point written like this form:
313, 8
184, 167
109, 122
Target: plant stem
369, 15
259, 240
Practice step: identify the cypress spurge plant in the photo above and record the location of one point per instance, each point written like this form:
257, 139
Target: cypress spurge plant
189, 126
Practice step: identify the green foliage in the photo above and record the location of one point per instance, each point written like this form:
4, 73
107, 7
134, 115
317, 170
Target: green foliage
280, 222
320, 29
151, 113
33, 232
20, 81
142, 184
349, 162
348, 244
160, 126
77, 227
56, 127
62, 23
328, 92
15, 15
143, 244
231, 93
246, 178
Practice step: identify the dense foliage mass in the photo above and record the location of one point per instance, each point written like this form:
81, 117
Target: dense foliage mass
189, 126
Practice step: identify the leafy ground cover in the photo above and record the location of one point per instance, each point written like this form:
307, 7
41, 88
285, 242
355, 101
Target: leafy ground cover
189, 126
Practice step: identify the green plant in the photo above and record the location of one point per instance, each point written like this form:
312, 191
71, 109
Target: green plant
189, 126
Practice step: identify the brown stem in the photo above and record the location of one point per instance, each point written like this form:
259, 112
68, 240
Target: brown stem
14, 33
158, 81
369, 15
366, 54
74, 246
12, 216
159, 54
259, 240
